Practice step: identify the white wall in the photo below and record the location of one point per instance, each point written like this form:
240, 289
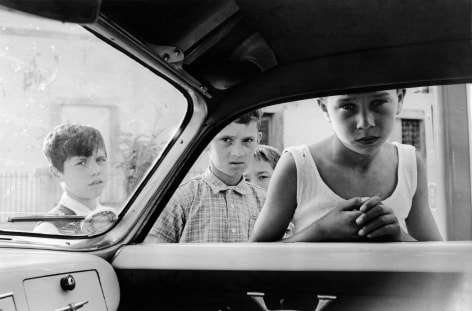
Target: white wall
304, 123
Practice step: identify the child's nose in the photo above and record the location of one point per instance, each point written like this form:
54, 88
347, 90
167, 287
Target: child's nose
237, 150
365, 120
94, 168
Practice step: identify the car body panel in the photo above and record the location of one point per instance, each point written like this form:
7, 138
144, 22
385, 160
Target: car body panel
388, 257
27, 273
428, 276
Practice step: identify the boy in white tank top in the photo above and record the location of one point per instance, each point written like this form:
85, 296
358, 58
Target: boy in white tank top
354, 185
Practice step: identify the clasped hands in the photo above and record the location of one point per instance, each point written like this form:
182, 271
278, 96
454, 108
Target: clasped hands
360, 219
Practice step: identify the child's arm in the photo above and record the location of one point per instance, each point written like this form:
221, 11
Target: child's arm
280, 202
338, 225
420, 221
169, 225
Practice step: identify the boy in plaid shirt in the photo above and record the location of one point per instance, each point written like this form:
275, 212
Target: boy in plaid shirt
219, 206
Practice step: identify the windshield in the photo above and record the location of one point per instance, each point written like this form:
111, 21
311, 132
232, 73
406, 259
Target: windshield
81, 125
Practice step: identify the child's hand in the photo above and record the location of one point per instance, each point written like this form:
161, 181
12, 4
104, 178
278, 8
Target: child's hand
378, 220
340, 223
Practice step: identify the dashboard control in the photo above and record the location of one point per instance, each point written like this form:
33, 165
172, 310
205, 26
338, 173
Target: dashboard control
73, 306
39, 280
54, 292
68, 282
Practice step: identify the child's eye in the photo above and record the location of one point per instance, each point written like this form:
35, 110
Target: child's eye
378, 102
347, 107
81, 163
263, 177
249, 140
227, 140
101, 160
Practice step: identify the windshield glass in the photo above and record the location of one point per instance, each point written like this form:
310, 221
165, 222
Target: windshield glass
81, 125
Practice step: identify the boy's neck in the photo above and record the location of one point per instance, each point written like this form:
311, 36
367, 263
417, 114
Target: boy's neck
89, 203
225, 178
346, 156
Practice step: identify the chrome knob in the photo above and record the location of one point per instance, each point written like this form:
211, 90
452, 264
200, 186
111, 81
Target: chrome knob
68, 282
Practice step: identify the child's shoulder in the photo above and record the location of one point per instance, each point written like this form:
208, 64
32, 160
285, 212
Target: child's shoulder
319, 150
258, 193
402, 146
256, 188
62, 210
402, 150
306, 152
296, 148
319, 145
189, 184
187, 191
297, 151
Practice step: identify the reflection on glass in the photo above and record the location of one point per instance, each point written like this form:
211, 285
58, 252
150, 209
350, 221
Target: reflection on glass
54, 73
99, 220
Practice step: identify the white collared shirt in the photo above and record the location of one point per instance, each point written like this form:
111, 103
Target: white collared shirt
78, 208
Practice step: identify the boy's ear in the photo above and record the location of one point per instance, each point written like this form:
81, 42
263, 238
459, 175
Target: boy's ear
325, 110
56, 175
401, 96
208, 147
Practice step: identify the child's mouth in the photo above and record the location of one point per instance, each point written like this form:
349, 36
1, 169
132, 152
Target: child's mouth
368, 140
96, 182
236, 163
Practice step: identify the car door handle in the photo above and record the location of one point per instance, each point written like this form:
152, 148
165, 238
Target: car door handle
73, 306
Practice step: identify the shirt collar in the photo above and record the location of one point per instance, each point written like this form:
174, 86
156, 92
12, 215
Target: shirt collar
217, 185
78, 208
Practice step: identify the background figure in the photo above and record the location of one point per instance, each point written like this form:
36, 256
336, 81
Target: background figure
259, 171
219, 206
353, 185
78, 161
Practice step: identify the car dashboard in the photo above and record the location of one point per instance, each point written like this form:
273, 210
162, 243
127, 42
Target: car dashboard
49, 280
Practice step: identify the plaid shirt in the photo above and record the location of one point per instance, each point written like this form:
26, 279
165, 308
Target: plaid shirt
204, 209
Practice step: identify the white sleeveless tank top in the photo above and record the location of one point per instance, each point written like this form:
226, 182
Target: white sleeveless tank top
315, 199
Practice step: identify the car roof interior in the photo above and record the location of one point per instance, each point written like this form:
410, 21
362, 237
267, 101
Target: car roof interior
362, 43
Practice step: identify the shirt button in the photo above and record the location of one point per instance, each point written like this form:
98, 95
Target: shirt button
233, 230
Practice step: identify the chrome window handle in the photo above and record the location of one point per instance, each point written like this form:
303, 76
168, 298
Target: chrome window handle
73, 306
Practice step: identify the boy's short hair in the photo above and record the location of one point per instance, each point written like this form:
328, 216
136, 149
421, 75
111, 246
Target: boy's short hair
322, 100
268, 154
255, 115
69, 140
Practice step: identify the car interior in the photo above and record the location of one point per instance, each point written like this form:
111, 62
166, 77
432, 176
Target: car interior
159, 80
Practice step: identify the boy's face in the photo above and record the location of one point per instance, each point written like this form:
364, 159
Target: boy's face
232, 150
84, 178
259, 172
363, 122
